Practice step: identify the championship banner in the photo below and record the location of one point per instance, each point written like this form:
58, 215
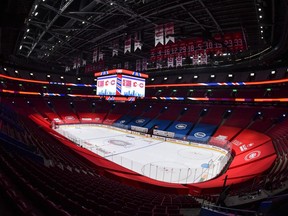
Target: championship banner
195, 60
233, 42
67, 68
84, 62
115, 48
144, 64
170, 61
127, 45
119, 65
203, 58
179, 60
95, 55
138, 65
78, 62
101, 56
126, 65
159, 35
74, 63
137, 41
169, 32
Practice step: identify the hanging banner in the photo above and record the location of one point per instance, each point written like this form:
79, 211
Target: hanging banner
74, 63
119, 65
126, 65
159, 35
67, 68
84, 62
195, 59
137, 41
127, 45
101, 56
233, 42
138, 65
203, 58
78, 62
158, 65
144, 64
95, 55
170, 61
169, 33
179, 60
115, 48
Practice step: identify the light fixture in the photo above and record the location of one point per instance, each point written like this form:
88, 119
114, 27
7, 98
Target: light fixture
252, 74
259, 113
5, 69
83, 22
48, 75
180, 77
152, 79
78, 78
36, 13
165, 78
229, 111
61, 77
195, 76
28, 30
261, 31
284, 115
31, 74
273, 72
20, 47
261, 27
230, 75
259, 9
111, 3
24, 37
36, 7
212, 75
260, 16
16, 71
95, 79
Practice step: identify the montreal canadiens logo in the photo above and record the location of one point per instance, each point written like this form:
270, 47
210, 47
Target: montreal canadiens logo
199, 135
122, 121
140, 121
181, 126
69, 118
252, 155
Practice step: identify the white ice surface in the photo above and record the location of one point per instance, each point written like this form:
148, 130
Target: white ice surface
157, 159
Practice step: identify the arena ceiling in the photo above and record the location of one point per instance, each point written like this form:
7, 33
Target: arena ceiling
56, 31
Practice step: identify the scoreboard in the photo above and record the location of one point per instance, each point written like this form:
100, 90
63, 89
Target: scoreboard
106, 85
121, 83
133, 86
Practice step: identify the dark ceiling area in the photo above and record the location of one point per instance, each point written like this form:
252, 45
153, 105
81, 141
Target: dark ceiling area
55, 32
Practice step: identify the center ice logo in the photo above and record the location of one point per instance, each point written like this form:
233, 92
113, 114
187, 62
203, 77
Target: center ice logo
181, 126
199, 135
140, 121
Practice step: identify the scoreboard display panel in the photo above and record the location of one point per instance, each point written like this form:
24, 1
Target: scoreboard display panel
106, 85
132, 86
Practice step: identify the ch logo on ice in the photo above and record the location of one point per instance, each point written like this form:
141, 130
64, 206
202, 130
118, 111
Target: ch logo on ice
199, 135
181, 126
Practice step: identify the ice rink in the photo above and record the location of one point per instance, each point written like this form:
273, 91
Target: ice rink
155, 158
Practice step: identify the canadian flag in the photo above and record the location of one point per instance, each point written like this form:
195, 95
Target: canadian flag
169, 32
127, 45
159, 35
